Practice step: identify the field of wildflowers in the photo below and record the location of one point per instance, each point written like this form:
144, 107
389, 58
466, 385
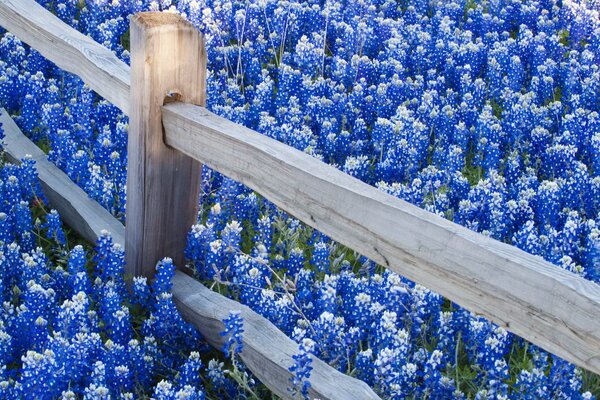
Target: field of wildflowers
70, 329
484, 112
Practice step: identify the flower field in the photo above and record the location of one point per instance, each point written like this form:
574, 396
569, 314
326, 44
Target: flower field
483, 112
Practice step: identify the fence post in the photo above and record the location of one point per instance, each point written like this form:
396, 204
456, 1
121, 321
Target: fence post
168, 58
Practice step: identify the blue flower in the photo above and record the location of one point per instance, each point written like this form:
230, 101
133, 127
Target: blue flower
234, 332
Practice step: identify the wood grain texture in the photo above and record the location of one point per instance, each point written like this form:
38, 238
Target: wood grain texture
267, 351
167, 56
544, 304
68, 49
76, 209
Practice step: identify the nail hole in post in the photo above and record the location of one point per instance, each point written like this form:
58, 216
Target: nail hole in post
171, 97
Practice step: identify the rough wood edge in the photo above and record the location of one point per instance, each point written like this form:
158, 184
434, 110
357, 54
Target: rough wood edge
68, 49
546, 305
267, 349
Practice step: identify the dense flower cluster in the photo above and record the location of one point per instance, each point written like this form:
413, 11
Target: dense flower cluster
70, 329
399, 337
484, 112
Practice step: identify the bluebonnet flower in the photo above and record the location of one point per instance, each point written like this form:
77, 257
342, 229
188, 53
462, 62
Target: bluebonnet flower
301, 369
320, 257
190, 371
295, 262
40, 372
141, 291
165, 270
164, 391
234, 332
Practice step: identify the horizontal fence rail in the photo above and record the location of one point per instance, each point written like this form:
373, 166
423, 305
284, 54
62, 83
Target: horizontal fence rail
267, 351
69, 49
547, 305
550, 307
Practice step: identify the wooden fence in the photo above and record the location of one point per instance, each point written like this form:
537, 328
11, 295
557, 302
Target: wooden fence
553, 308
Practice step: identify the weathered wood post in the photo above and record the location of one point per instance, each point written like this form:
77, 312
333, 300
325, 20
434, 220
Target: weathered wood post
168, 58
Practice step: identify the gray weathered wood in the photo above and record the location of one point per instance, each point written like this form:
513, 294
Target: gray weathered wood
551, 307
267, 351
167, 56
76, 209
68, 49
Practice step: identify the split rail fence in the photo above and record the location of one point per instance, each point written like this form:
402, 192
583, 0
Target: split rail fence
171, 134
